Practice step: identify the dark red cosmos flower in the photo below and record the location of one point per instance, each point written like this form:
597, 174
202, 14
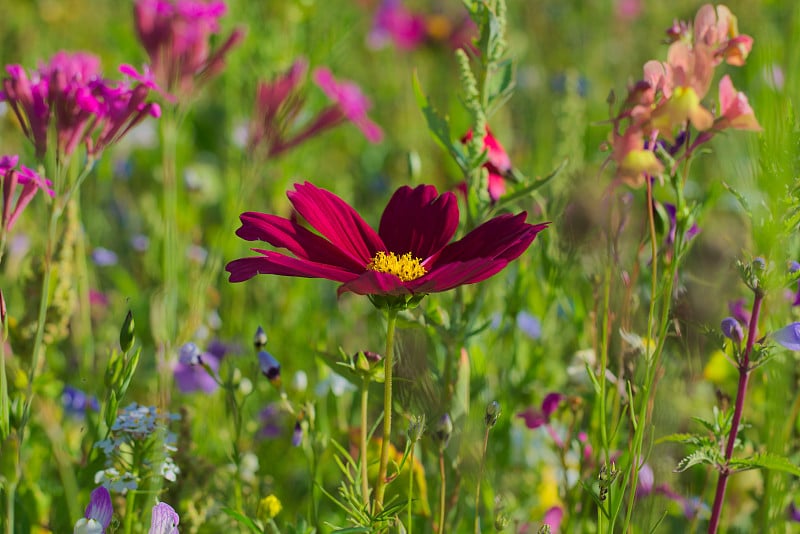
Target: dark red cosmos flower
408, 256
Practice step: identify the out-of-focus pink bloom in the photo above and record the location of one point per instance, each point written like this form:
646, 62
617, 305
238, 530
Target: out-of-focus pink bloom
735, 111
628, 9
497, 163
738, 309
13, 202
553, 517
70, 93
393, 22
278, 103
536, 418
176, 36
349, 103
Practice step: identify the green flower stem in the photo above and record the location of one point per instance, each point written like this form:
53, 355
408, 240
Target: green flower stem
5, 405
388, 366
410, 521
653, 360
601, 379
84, 330
480, 479
11, 492
442, 492
363, 444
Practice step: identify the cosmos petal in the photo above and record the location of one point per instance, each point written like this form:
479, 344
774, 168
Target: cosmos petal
419, 221
283, 265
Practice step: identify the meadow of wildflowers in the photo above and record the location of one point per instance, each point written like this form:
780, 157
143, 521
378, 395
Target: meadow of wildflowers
399, 266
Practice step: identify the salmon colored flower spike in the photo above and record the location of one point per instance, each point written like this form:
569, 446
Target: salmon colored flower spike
497, 163
735, 110
409, 256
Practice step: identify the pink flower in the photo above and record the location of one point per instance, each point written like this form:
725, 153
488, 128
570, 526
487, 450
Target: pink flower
176, 36
497, 163
735, 111
14, 203
393, 22
70, 93
350, 103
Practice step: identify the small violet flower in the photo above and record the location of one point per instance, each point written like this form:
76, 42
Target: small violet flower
270, 367
77, 403
98, 513
732, 329
788, 336
191, 372
103, 257
164, 520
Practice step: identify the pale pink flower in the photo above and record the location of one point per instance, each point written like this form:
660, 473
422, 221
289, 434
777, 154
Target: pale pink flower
349, 102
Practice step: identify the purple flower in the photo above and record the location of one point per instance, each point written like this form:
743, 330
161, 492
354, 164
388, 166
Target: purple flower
738, 310
349, 103
793, 512
732, 329
102, 257
165, 520
297, 435
393, 22
271, 419
98, 513
77, 403
530, 324
270, 367
192, 370
788, 336
646, 480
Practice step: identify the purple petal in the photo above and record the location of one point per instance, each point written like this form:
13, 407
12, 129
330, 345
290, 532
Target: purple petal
788, 336
533, 418
550, 403
165, 520
100, 508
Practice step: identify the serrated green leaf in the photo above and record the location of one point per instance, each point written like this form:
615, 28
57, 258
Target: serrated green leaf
702, 456
243, 519
682, 438
768, 461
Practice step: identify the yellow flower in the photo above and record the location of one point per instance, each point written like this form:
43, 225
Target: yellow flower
269, 507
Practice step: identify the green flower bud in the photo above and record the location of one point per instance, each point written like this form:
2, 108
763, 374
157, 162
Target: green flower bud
126, 333
492, 414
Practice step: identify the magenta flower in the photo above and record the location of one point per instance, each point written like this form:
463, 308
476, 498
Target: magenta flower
535, 418
349, 103
408, 256
70, 93
393, 22
13, 202
176, 36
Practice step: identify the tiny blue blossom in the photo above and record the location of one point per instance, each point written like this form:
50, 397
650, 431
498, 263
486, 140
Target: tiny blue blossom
102, 257
529, 324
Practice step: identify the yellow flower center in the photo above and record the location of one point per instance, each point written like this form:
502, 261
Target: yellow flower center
403, 267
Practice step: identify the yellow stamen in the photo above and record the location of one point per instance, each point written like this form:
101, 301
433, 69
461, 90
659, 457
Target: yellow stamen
403, 267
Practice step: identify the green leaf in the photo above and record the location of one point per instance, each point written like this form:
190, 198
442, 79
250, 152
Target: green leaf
768, 461
243, 519
526, 191
439, 126
702, 456
740, 198
683, 438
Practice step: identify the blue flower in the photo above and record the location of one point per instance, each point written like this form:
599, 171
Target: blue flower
77, 403
788, 336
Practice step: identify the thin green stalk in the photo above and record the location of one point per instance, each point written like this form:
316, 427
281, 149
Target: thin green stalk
5, 405
11, 491
410, 521
84, 332
480, 479
653, 360
601, 379
363, 445
442, 492
130, 501
388, 366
